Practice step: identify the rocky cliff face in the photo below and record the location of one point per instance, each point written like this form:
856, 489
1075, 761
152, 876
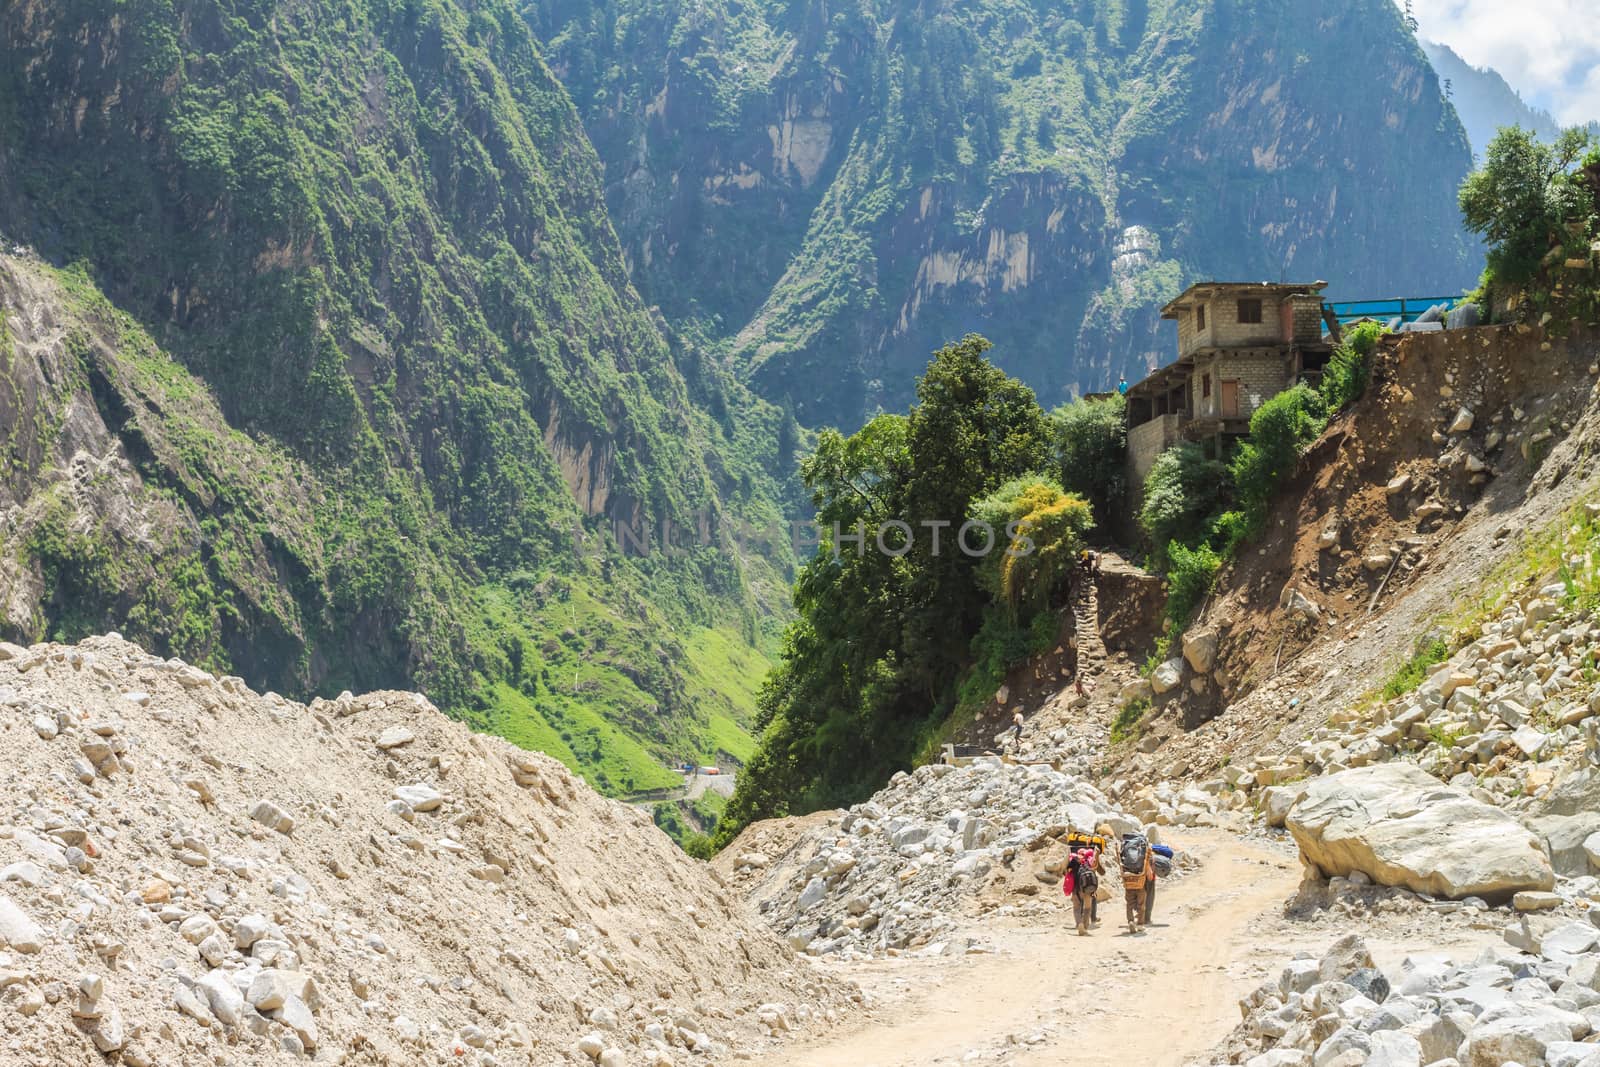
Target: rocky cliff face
349, 317
879, 178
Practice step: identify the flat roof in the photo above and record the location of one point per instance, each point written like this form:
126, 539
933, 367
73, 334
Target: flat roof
1206, 290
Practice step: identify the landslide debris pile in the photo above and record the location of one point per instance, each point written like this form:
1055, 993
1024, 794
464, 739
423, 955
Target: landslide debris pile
191, 872
900, 871
1506, 718
1502, 717
1536, 1005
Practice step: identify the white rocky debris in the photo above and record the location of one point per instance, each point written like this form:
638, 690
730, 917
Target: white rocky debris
192, 872
1532, 1007
896, 873
1506, 719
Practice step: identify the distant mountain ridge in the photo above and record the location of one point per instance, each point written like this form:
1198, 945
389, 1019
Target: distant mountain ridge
833, 191
1484, 100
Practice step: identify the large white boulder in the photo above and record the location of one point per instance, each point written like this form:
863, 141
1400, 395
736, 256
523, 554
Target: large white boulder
1400, 826
1168, 676
1200, 649
1519, 1033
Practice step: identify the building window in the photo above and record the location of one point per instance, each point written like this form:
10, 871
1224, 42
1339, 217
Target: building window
1205, 386
1249, 311
1200, 316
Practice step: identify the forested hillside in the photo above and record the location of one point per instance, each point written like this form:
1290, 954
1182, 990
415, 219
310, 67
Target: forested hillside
345, 360
836, 190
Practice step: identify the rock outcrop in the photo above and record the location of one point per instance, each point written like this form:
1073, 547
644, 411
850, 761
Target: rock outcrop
1400, 826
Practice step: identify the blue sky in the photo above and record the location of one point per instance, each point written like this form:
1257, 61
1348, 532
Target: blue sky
1548, 50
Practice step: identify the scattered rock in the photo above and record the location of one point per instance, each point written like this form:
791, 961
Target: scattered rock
272, 817
419, 797
1200, 649
395, 737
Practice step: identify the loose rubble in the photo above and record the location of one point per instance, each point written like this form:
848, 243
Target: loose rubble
1537, 1006
902, 871
1510, 720
193, 872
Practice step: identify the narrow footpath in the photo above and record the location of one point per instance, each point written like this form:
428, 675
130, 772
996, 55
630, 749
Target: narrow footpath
1162, 999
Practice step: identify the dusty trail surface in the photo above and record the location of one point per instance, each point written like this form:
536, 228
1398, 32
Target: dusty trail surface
1163, 999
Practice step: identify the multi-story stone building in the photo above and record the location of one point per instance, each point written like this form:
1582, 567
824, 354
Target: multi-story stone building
1238, 344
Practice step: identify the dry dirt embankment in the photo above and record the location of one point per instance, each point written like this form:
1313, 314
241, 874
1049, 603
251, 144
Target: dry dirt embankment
191, 872
1401, 510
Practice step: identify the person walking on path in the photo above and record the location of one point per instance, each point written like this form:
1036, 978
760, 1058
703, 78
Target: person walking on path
1149, 890
1081, 883
1016, 728
1136, 875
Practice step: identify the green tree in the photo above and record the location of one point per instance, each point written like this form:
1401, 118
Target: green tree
1091, 441
1183, 493
973, 430
1280, 430
889, 606
1042, 529
1523, 196
1046, 132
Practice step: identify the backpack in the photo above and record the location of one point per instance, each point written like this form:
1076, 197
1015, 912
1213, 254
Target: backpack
1084, 880
1134, 851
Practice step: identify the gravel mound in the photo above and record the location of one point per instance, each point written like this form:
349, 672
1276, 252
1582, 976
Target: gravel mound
1535, 1002
191, 872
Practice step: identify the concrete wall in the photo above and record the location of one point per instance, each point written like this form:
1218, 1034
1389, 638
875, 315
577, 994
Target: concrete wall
1147, 441
1261, 375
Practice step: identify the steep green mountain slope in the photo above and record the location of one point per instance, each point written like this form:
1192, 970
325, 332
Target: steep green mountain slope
1484, 101
838, 189
347, 310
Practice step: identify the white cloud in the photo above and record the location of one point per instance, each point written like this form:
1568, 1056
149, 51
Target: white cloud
1548, 50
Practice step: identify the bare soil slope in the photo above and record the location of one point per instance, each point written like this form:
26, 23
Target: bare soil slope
1388, 481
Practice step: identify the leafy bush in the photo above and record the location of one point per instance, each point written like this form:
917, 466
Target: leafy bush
1190, 577
1129, 716
1345, 378
1231, 530
1280, 430
1044, 529
1091, 451
1182, 493
1001, 644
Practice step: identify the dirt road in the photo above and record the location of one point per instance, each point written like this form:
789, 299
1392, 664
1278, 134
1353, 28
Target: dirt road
1162, 999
